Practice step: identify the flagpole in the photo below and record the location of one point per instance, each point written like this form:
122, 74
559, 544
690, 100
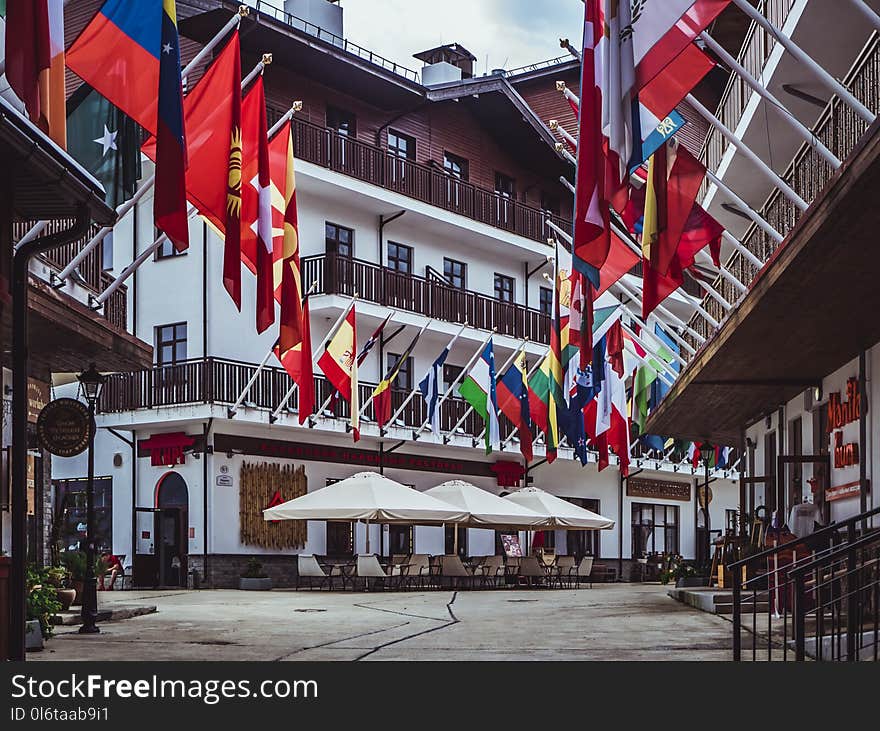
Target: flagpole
869, 14
558, 129
740, 247
661, 374
130, 269
661, 362
242, 12
725, 274
531, 371
653, 347
452, 385
747, 151
412, 394
663, 310
370, 400
737, 68
726, 306
510, 360
827, 79
230, 411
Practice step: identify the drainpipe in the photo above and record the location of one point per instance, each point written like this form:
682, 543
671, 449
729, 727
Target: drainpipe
383, 222
205, 473
20, 262
863, 440
132, 444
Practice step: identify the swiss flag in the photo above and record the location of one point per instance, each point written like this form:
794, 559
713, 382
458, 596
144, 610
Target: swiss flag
257, 201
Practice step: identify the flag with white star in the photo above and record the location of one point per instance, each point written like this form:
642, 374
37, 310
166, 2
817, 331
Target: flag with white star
105, 142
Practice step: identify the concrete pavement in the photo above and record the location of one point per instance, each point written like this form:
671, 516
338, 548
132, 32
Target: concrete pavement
607, 622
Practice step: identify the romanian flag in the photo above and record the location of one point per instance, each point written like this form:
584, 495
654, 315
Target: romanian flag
339, 364
382, 393
256, 195
297, 361
513, 400
169, 197
294, 320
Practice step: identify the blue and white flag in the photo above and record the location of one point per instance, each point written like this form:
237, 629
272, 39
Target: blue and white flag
429, 387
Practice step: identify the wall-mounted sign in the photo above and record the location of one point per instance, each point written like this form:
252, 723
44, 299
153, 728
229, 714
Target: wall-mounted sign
508, 472
37, 398
850, 489
166, 450
658, 489
841, 413
845, 455
64, 427
701, 495
348, 455
223, 480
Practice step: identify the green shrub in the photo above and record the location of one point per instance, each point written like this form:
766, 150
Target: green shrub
42, 598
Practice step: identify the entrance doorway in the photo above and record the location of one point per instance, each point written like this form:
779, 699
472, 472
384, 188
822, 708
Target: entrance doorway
162, 539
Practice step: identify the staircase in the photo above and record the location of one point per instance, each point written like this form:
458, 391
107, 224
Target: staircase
822, 606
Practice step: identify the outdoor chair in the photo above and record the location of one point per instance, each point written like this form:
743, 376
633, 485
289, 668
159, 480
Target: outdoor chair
369, 569
564, 567
309, 568
434, 571
532, 572
511, 569
418, 571
455, 571
582, 572
492, 571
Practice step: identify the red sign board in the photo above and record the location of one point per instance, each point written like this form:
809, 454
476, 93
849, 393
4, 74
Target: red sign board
838, 492
167, 450
841, 413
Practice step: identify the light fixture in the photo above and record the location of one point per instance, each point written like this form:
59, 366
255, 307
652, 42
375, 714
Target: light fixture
817, 393
707, 452
91, 382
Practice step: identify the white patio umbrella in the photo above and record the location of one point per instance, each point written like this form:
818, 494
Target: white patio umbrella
368, 496
562, 514
486, 509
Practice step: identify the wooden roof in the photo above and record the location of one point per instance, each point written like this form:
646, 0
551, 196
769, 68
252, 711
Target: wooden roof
811, 310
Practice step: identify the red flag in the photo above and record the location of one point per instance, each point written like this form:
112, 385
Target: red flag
682, 186
592, 216
621, 259
213, 123
675, 41
666, 90
257, 199
294, 321
28, 51
297, 361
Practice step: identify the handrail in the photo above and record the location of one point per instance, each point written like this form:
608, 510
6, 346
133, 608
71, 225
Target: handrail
865, 540
831, 527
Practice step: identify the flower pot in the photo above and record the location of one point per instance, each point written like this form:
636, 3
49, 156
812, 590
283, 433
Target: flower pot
78, 588
66, 597
263, 584
33, 635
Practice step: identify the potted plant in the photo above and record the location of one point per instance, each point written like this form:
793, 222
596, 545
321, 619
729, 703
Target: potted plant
59, 578
253, 578
75, 563
41, 603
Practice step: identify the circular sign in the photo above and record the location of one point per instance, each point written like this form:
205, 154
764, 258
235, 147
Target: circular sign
702, 495
64, 428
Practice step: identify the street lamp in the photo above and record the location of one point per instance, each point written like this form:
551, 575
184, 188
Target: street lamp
90, 382
707, 453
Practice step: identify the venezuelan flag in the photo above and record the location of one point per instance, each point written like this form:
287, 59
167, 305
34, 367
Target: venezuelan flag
169, 203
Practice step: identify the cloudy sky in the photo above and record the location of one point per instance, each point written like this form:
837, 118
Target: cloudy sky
511, 32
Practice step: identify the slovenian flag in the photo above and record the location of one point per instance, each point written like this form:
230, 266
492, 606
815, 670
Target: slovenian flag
479, 390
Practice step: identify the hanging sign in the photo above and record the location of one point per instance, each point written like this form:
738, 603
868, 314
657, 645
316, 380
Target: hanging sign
64, 428
845, 455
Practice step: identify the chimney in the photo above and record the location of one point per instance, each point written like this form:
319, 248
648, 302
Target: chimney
445, 64
323, 14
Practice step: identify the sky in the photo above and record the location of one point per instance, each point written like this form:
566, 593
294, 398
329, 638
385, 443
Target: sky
511, 33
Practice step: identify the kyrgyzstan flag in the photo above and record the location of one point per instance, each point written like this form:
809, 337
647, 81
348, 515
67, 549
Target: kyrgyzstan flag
212, 111
339, 364
256, 196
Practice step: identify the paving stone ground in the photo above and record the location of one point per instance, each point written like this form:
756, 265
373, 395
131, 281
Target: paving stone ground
607, 622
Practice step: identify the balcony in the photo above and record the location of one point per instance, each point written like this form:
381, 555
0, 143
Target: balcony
430, 185
430, 296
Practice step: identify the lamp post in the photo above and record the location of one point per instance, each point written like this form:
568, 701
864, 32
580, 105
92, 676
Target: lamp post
90, 382
707, 452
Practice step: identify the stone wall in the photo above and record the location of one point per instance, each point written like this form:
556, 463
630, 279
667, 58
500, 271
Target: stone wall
225, 569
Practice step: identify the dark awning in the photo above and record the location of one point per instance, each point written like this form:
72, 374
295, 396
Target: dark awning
45, 182
811, 310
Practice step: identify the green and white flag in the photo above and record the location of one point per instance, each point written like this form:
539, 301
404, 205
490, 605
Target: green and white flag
105, 142
478, 389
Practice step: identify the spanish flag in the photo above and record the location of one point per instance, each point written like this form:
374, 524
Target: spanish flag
339, 364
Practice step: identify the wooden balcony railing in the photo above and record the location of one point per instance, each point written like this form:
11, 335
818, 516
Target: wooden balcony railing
220, 381
430, 296
840, 129
430, 185
94, 278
